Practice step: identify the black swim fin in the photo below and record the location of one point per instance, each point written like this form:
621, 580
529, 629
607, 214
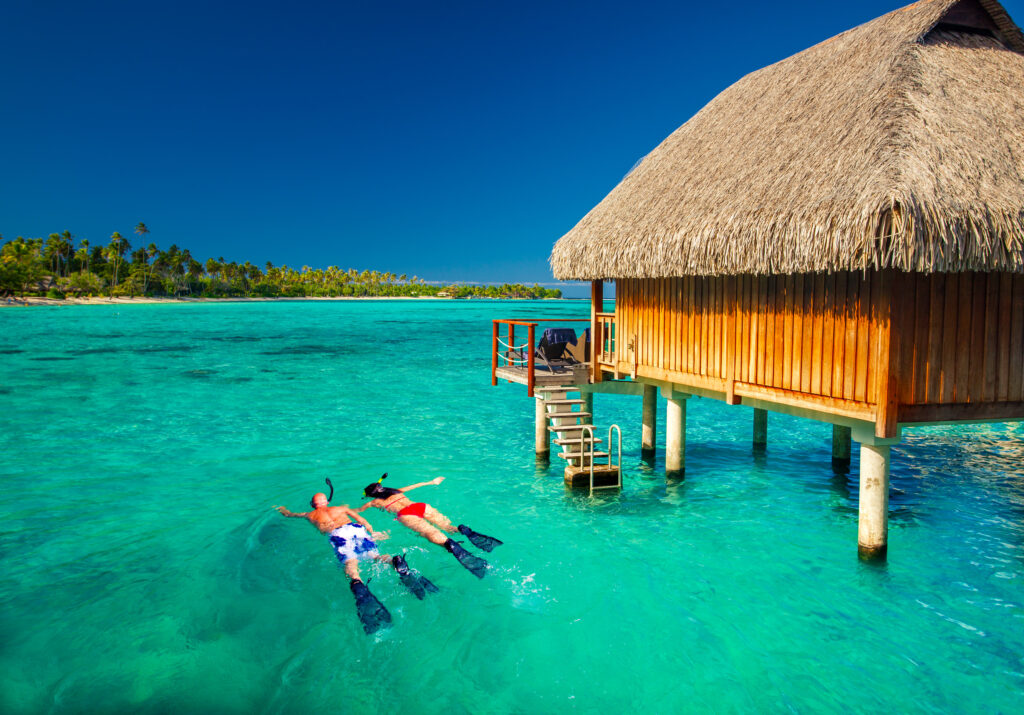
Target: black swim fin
474, 564
481, 541
418, 584
371, 612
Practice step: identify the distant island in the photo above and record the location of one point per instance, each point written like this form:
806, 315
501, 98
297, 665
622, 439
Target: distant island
56, 268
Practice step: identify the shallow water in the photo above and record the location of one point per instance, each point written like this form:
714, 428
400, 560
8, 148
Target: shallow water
145, 571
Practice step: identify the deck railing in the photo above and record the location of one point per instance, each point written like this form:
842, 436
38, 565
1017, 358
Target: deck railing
604, 340
505, 352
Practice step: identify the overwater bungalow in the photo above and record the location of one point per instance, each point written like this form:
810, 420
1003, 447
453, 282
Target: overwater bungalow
838, 236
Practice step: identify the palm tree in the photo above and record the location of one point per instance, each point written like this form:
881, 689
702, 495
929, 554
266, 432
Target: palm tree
68, 244
85, 247
118, 245
52, 253
151, 253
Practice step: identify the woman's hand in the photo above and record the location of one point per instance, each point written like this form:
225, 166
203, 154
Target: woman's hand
437, 481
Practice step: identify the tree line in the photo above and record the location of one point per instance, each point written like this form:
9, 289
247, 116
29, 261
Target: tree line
59, 266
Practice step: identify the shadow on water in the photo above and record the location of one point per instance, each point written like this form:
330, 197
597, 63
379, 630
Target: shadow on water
199, 373
257, 553
10, 351
50, 359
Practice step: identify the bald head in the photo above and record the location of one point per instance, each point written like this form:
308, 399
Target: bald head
318, 501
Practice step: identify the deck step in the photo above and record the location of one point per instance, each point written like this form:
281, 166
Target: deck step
562, 415
578, 455
564, 402
557, 388
569, 428
581, 440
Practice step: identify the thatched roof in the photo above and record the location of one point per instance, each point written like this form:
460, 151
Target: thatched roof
899, 143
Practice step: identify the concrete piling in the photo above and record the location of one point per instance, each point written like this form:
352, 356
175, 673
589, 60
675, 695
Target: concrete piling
542, 440
760, 428
873, 521
648, 436
675, 437
840, 446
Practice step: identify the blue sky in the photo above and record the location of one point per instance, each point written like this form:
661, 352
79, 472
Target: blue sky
450, 140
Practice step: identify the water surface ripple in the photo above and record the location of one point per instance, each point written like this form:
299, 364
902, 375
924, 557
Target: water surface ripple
145, 571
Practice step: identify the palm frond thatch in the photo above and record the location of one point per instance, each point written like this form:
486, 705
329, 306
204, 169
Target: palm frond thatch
899, 143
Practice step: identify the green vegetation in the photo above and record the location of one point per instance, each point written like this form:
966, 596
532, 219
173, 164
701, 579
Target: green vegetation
56, 267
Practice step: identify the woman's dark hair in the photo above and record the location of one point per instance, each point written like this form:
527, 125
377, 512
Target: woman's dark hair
379, 491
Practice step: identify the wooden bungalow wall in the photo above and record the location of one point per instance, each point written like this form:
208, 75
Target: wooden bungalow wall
824, 338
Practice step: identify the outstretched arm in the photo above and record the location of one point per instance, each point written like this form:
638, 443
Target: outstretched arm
285, 512
377, 535
431, 483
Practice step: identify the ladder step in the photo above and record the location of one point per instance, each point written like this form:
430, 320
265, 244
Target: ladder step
564, 402
581, 440
557, 388
570, 415
568, 428
579, 455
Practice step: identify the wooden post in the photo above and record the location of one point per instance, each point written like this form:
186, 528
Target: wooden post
840, 446
675, 436
891, 304
760, 428
596, 306
494, 353
648, 435
529, 359
541, 440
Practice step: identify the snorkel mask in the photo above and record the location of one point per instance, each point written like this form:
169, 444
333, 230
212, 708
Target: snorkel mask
376, 490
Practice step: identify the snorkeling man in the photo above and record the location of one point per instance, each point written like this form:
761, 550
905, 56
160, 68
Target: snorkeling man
354, 540
429, 523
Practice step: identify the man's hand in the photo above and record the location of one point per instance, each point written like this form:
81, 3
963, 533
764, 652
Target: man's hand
380, 536
437, 481
285, 512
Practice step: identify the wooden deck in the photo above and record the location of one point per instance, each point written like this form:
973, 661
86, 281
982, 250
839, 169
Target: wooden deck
575, 375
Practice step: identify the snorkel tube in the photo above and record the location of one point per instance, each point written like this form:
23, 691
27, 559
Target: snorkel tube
331, 495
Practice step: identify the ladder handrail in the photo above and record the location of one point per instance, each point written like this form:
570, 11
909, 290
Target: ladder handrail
583, 439
618, 465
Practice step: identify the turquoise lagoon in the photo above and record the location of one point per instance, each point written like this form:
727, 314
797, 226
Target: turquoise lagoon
144, 570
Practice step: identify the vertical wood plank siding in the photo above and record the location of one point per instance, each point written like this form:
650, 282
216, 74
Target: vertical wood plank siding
958, 338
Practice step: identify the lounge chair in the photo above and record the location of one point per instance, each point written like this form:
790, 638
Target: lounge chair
552, 351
